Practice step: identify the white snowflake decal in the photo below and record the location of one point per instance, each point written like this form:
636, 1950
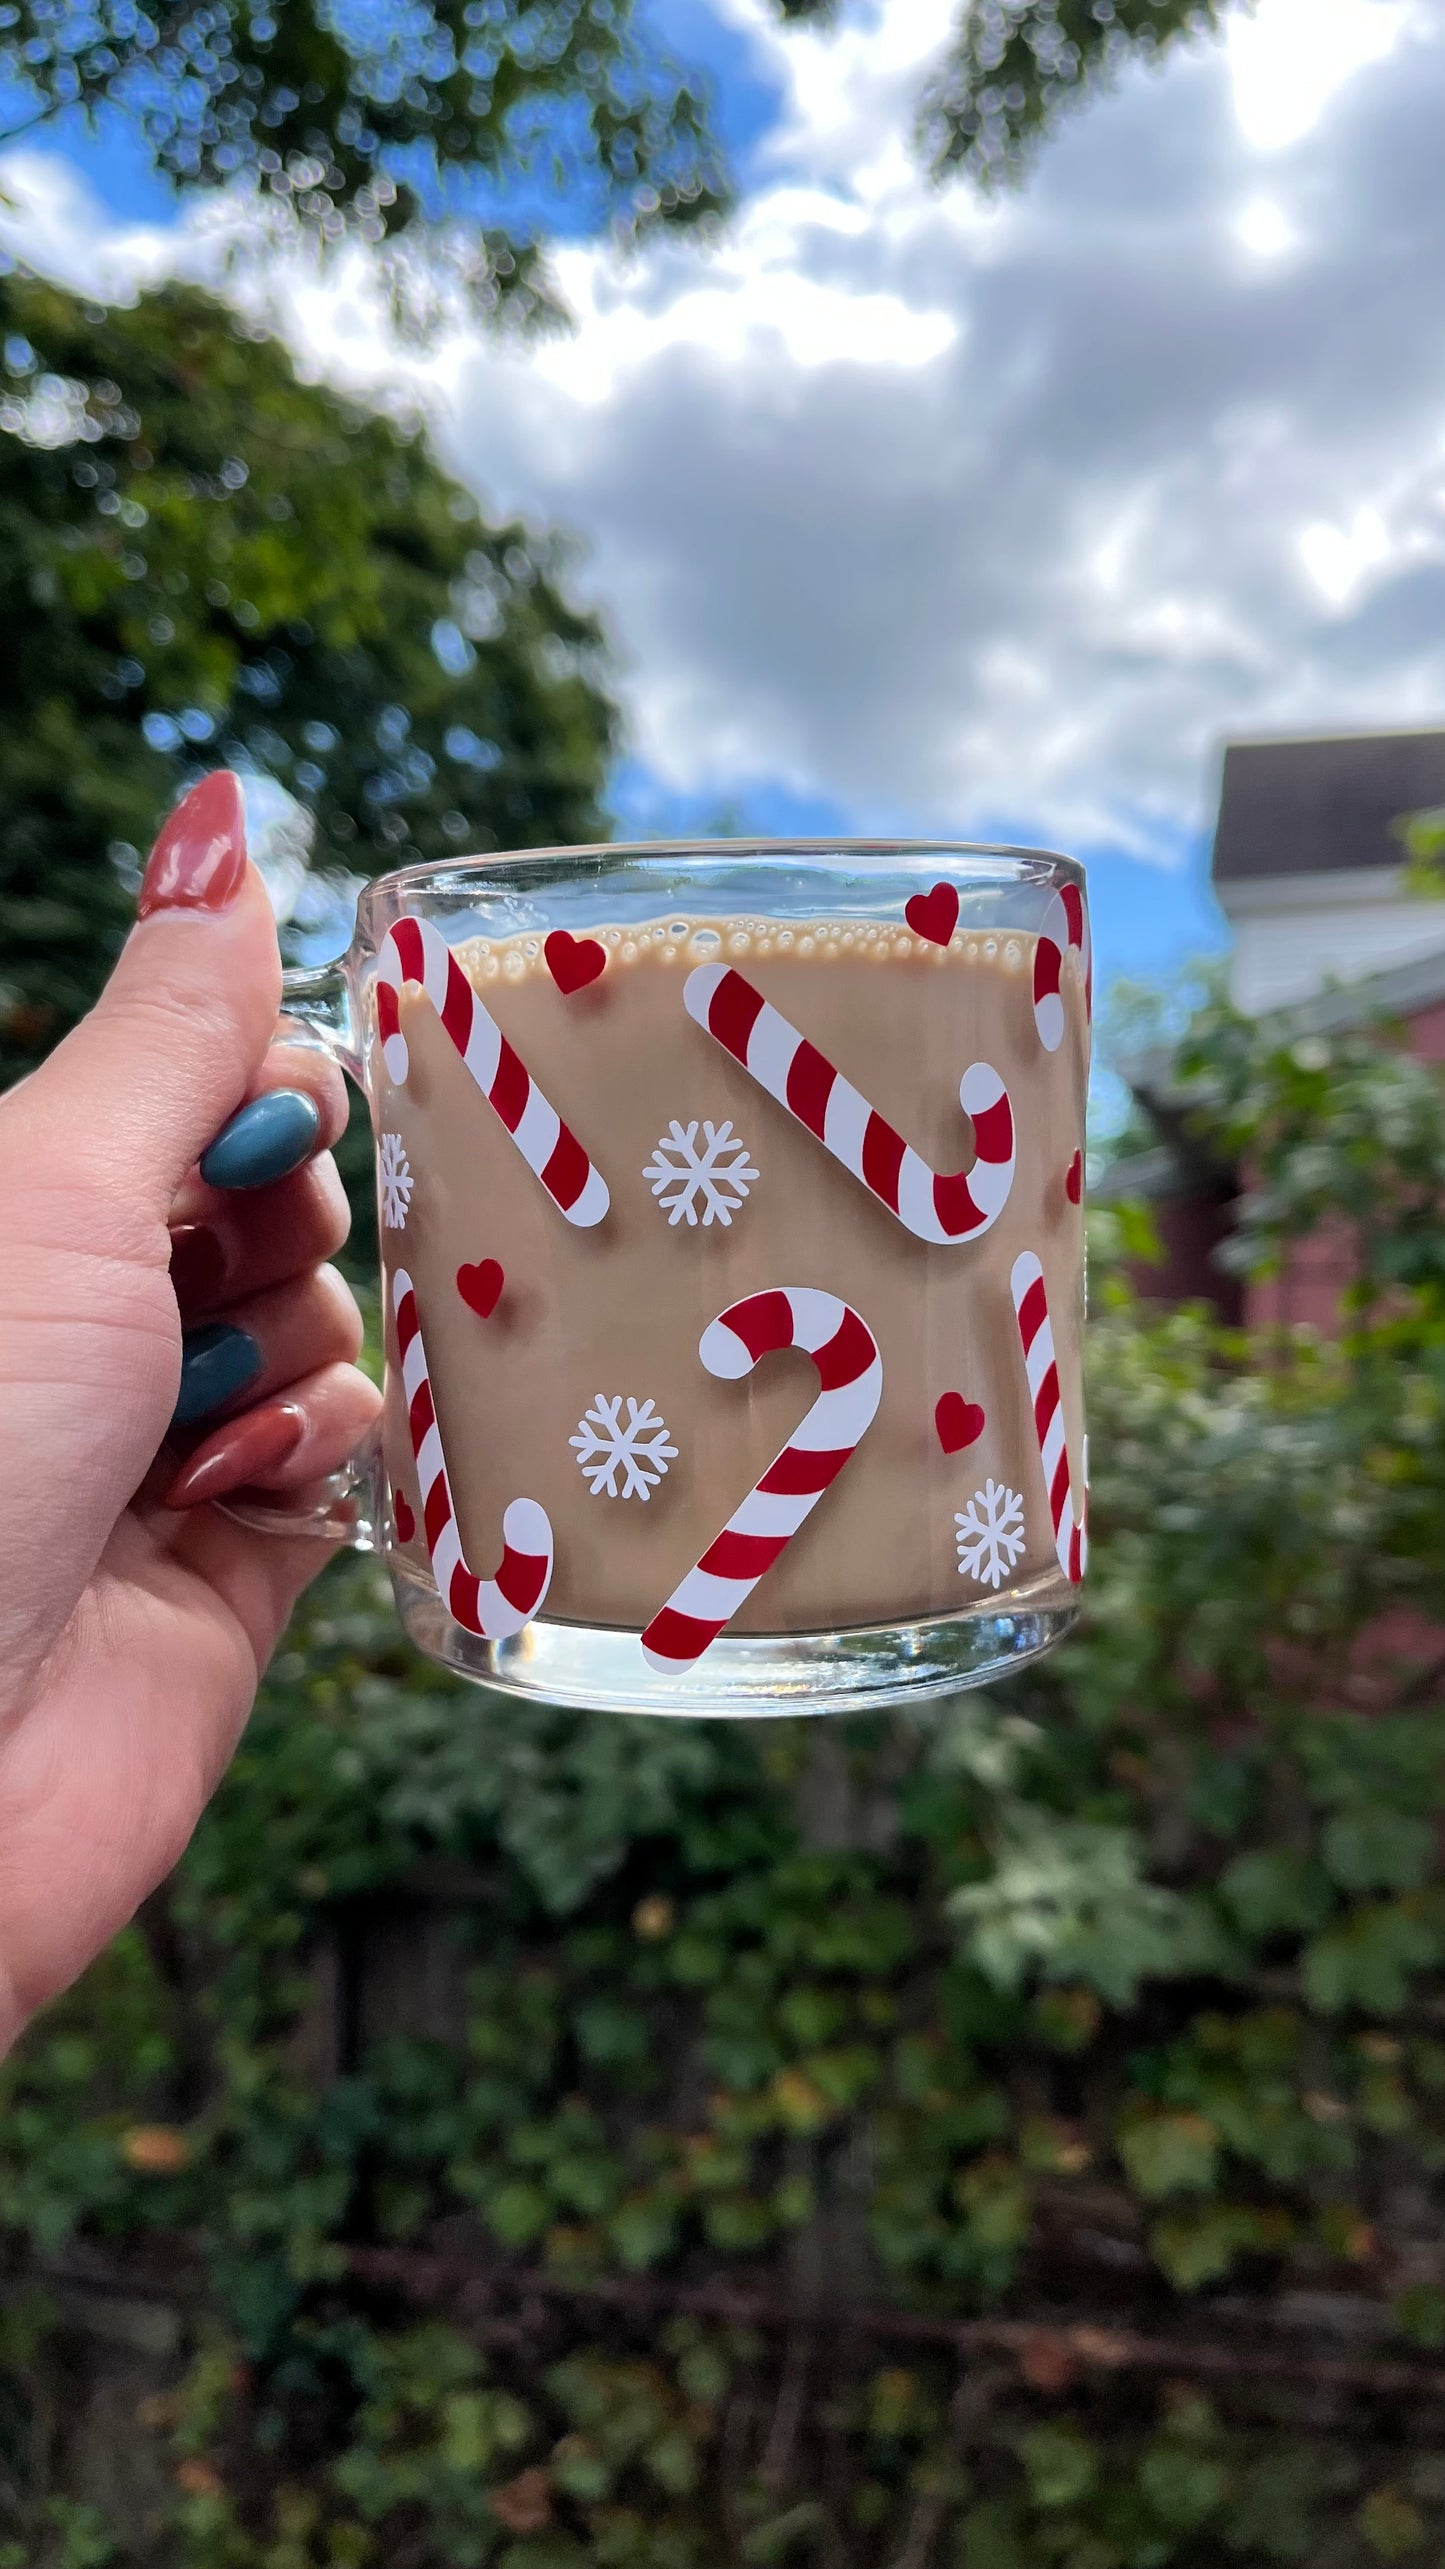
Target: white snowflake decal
990, 1534
715, 1173
639, 1450
396, 1182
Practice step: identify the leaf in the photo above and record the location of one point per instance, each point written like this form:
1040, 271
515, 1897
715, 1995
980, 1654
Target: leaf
577, 2467
1420, 2314
643, 2229
1060, 2464
1391, 2526
466, 2431
1184, 2488
1168, 2153
611, 2033
674, 2461
895, 2402
1272, 1891
1069, 1895
738, 2221
801, 2103
992, 2537
1196, 2247
525, 2503
1066, 2019
1366, 1960
1004, 81
996, 2200
1273, 2509
518, 2214
1422, 835
1378, 1850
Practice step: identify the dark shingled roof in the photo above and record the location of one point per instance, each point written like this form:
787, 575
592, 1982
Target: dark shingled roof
1308, 806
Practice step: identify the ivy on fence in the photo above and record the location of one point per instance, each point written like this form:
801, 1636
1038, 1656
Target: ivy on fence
1014, 2136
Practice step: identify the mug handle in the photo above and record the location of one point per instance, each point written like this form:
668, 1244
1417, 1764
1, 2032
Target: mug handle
317, 1009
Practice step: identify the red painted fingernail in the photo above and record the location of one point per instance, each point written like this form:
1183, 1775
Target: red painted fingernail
199, 860
236, 1453
198, 1265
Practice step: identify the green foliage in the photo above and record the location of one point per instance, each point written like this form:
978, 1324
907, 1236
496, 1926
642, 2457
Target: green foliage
429, 134
1071, 1895
1341, 1133
499, 2093
1017, 65
206, 560
382, 126
1060, 2466
1422, 836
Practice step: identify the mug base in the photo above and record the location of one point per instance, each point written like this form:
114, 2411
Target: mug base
743, 1676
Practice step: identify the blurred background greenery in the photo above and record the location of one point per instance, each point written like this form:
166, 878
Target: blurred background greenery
1013, 2136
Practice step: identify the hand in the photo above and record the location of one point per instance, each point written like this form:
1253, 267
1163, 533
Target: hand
132, 1632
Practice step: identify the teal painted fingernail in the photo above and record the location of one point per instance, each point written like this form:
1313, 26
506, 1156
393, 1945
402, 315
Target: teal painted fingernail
263, 1141
216, 1363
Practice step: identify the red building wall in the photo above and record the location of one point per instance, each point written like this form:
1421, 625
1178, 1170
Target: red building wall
1307, 1291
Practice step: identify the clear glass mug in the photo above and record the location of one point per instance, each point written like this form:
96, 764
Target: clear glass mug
732, 1257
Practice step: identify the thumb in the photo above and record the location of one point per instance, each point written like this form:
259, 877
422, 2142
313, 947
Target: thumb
137, 1090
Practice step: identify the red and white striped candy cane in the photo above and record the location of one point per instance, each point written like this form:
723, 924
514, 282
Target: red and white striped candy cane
1031, 1303
1066, 923
416, 952
496, 1607
941, 1209
850, 1376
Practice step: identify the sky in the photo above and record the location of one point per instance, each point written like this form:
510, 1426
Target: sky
910, 512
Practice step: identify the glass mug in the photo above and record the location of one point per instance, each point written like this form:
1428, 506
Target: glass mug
732, 1241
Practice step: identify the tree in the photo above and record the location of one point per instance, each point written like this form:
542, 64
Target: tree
1017, 65
378, 124
203, 560
386, 125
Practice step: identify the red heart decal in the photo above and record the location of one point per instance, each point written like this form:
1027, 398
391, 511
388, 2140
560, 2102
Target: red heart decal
1074, 1182
933, 914
959, 1422
480, 1287
573, 961
401, 1517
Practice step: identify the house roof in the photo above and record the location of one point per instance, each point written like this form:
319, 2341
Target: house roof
1322, 805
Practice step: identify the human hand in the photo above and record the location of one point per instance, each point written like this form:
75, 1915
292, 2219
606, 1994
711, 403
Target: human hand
133, 1632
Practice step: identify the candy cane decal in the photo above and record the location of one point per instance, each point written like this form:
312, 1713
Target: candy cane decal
1031, 1303
492, 1608
940, 1209
850, 1377
414, 951
1066, 923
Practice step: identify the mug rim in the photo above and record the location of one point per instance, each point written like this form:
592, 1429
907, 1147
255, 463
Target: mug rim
848, 851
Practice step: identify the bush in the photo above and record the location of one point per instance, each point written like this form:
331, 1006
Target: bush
1012, 2136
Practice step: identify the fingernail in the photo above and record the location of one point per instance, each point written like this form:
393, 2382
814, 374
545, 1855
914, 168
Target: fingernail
216, 1363
236, 1454
199, 860
264, 1140
198, 1264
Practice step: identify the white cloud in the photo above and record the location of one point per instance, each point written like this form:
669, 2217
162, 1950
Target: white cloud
47, 213
1290, 60
970, 515
1264, 229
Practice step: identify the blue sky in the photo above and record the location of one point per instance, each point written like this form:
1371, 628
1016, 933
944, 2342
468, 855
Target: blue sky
1150, 920
912, 514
